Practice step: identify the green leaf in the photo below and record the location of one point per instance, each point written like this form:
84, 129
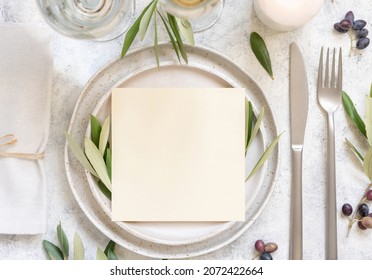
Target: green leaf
257, 125
353, 113
108, 161
156, 42
354, 149
186, 30
97, 161
54, 253
145, 20
104, 136
264, 157
104, 189
110, 246
367, 164
79, 154
110, 251
173, 41
112, 256
132, 32
368, 119
95, 130
101, 255
78, 248
260, 51
174, 27
248, 123
370, 91
63, 241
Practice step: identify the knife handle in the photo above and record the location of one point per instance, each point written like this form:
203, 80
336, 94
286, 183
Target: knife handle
296, 205
331, 253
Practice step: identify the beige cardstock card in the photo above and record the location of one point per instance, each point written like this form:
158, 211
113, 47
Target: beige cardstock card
178, 154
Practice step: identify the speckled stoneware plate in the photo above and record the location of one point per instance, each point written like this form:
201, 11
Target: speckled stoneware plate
171, 233
206, 68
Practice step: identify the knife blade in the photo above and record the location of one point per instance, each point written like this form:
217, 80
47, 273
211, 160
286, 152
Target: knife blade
299, 100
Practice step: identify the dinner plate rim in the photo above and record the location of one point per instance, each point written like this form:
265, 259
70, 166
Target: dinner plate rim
273, 124
93, 185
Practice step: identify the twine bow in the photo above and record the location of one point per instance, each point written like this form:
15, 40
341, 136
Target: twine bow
10, 139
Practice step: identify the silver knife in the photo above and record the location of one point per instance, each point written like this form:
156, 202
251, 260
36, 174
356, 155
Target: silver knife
299, 99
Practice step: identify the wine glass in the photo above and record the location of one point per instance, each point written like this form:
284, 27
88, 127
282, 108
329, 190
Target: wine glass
202, 14
100, 20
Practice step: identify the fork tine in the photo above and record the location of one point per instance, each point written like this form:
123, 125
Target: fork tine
333, 77
320, 70
339, 79
326, 79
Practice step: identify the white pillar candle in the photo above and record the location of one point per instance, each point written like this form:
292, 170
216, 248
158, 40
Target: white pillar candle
286, 15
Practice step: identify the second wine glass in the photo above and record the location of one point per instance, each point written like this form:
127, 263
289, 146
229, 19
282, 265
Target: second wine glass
202, 14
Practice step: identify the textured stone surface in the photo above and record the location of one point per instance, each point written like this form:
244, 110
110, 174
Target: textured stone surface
76, 61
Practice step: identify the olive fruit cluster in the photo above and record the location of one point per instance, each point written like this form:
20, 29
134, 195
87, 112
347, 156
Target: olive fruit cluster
265, 250
349, 23
363, 216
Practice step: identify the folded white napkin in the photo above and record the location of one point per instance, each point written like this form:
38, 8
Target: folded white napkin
25, 86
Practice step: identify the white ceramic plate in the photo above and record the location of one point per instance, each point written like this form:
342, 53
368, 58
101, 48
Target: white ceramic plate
171, 233
169, 240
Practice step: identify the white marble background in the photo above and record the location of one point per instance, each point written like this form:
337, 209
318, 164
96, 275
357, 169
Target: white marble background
76, 61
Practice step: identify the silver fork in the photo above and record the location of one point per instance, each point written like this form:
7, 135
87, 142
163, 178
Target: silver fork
329, 98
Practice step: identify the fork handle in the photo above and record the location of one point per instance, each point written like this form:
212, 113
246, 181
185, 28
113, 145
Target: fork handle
331, 252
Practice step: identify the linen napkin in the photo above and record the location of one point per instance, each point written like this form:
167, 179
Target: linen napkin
25, 87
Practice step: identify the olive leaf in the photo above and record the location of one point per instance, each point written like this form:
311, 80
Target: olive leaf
256, 127
79, 154
367, 164
95, 130
111, 255
53, 252
97, 157
110, 246
133, 30
108, 161
97, 162
186, 30
264, 156
260, 51
63, 241
104, 189
110, 251
56, 253
104, 136
100, 255
370, 91
353, 113
368, 119
156, 41
248, 123
174, 27
145, 20
78, 248
354, 149
171, 37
